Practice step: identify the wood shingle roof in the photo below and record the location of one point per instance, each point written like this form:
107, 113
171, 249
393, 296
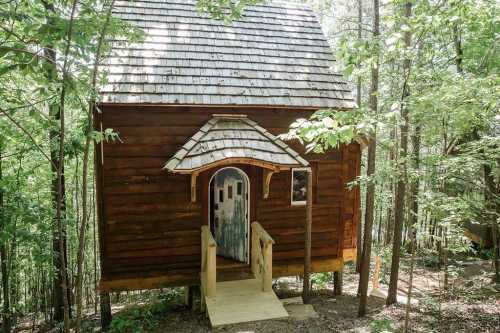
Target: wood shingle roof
232, 137
275, 55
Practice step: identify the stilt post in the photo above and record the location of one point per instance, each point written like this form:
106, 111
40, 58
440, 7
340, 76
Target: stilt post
306, 289
337, 282
106, 316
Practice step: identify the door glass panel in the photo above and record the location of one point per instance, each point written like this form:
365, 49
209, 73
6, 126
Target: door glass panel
239, 188
230, 192
221, 195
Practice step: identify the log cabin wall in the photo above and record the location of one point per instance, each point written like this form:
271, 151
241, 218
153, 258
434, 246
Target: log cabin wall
148, 226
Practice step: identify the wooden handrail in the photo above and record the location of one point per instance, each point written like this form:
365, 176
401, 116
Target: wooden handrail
262, 256
208, 262
264, 236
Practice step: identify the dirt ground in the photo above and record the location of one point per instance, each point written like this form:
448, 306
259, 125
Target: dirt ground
459, 313
472, 304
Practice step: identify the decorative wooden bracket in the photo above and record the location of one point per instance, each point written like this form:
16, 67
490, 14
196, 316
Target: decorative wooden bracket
266, 180
194, 176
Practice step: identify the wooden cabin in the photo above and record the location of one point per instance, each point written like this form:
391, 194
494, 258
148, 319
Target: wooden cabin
200, 189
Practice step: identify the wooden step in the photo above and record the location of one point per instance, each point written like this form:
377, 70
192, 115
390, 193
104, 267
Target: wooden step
243, 301
231, 274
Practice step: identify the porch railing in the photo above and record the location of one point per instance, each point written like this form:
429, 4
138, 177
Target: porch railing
208, 262
262, 256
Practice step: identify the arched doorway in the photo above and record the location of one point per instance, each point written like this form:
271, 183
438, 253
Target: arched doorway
229, 213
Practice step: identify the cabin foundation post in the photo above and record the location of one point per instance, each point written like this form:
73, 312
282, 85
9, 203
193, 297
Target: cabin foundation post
189, 293
306, 287
106, 315
337, 282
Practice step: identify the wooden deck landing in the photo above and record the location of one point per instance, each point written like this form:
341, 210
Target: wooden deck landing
243, 301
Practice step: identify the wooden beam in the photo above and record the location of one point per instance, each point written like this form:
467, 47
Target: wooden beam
266, 180
254, 259
194, 176
376, 273
262, 256
221, 106
267, 279
317, 266
337, 283
189, 296
154, 282
237, 160
306, 287
208, 262
211, 272
350, 255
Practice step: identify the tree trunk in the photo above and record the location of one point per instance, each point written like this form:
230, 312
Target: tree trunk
445, 258
496, 261
413, 220
457, 40
60, 171
88, 142
58, 187
410, 282
401, 185
389, 230
6, 311
61, 244
495, 209
359, 231
306, 288
60, 257
370, 190
96, 287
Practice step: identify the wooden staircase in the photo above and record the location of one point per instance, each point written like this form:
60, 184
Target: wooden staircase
242, 300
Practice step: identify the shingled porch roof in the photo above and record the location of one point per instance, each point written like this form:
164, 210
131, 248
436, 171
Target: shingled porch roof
233, 139
275, 55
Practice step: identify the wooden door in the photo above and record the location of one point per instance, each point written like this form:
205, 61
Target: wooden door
230, 213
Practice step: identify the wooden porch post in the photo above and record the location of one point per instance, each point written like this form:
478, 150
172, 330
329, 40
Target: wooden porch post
306, 288
337, 281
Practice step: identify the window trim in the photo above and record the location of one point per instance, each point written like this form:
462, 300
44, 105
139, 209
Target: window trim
292, 202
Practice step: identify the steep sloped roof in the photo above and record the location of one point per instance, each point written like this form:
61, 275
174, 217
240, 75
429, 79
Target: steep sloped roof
232, 137
275, 55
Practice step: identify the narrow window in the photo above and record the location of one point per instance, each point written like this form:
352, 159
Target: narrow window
299, 186
221, 195
230, 191
239, 188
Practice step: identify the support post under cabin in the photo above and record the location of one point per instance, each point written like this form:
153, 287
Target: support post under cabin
337, 281
306, 288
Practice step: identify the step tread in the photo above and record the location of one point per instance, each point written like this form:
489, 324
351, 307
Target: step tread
243, 301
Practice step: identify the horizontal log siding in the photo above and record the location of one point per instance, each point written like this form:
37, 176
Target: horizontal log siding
151, 228
352, 166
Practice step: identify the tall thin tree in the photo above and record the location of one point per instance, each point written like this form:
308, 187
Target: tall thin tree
58, 187
370, 171
6, 310
402, 166
359, 236
415, 184
88, 141
61, 141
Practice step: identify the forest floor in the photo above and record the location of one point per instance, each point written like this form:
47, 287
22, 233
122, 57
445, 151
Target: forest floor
472, 304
